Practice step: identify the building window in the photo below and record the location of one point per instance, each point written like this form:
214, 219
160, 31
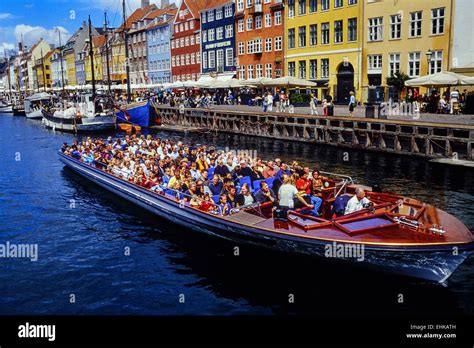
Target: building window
250, 72
302, 36
302, 69
193, 58
278, 43
338, 3
219, 33
313, 6
241, 26
437, 21
241, 48
352, 29
375, 29
415, 24
325, 33
338, 34
394, 64
352, 2
210, 35
268, 70
374, 62
414, 64
204, 36
436, 63
229, 57
268, 20
325, 68
204, 60
268, 44
228, 11
258, 71
258, 22
291, 38
229, 31
324, 5
210, 15
291, 69
219, 14
313, 34
250, 47
257, 46
198, 57
249, 3
313, 69
212, 59
395, 26
278, 18
301, 7
241, 72
240, 5
291, 8
220, 59
249, 23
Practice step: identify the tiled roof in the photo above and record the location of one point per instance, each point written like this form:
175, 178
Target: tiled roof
213, 3
138, 14
98, 41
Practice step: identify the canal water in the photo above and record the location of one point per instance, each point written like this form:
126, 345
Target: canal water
84, 234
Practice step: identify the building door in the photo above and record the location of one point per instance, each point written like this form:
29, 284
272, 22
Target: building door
345, 82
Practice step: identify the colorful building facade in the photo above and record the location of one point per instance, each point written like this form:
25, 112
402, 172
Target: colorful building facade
186, 42
413, 38
159, 48
323, 45
260, 36
218, 39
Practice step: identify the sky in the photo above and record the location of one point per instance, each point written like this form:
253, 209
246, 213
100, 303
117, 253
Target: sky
37, 19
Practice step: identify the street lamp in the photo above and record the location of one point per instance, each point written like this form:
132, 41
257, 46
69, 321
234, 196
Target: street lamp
429, 54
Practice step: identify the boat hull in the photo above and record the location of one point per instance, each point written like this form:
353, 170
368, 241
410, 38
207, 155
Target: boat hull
140, 114
95, 124
18, 112
435, 263
6, 109
36, 114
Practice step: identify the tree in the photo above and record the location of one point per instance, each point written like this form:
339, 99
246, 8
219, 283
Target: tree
397, 80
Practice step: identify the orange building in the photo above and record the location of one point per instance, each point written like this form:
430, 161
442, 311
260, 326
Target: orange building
260, 33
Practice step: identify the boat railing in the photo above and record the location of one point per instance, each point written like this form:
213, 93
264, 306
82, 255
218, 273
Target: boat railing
346, 178
161, 188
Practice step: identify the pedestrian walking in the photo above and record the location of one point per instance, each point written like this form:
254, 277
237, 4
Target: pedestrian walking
269, 102
325, 107
314, 105
352, 103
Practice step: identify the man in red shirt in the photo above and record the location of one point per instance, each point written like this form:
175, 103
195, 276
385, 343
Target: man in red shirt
303, 185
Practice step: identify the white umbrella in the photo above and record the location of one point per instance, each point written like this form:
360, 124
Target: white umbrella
260, 82
444, 78
291, 81
205, 82
232, 83
469, 80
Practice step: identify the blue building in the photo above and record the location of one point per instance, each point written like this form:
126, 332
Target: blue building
158, 46
218, 39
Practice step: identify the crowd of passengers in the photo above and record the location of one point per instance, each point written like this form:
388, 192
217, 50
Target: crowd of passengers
208, 179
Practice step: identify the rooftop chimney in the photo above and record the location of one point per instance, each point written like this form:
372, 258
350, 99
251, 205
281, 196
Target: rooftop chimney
145, 3
165, 3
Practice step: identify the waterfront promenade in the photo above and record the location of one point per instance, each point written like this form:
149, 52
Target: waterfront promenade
359, 112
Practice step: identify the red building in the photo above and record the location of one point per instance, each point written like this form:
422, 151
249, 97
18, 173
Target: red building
186, 42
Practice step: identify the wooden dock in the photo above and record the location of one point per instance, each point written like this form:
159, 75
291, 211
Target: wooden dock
408, 137
178, 128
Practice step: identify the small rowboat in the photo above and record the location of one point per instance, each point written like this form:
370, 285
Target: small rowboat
129, 128
397, 234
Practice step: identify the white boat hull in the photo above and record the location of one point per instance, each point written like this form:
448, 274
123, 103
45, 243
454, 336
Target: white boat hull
35, 114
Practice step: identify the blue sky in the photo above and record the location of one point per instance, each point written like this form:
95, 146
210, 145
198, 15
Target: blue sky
37, 19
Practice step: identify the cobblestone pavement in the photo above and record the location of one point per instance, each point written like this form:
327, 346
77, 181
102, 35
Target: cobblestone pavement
341, 110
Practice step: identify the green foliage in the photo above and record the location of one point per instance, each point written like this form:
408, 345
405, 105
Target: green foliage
397, 80
299, 98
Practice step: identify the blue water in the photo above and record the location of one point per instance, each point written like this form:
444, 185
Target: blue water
83, 232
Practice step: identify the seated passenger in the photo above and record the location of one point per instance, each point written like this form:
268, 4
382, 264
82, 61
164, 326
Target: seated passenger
232, 196
287, 194
216, 185
357, 202
245, 197
265, 194
304, 189
221, 169
224, 205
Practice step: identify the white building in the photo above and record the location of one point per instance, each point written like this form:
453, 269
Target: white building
56, 75
462, 52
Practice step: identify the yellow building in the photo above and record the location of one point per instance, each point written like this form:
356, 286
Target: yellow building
43, 68
117, 58
97, 43
323, 44
70, 58
412, 37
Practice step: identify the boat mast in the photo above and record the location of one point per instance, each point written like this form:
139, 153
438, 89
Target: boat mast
8, 74
61, 56
91, 54
127, 65
107, 50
